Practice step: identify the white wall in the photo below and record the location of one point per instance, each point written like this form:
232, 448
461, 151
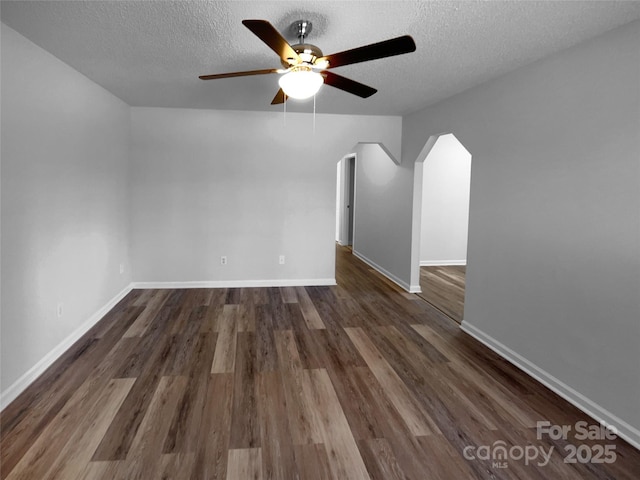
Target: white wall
243, 185
553, 276
64, 204
445, 203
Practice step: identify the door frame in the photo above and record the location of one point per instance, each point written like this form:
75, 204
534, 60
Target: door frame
347, 198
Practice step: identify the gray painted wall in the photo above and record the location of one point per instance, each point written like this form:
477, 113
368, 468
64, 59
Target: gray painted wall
382, 212
240, 184
65, 202
554, 236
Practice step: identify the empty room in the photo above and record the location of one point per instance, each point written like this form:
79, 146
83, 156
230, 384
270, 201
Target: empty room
320, 240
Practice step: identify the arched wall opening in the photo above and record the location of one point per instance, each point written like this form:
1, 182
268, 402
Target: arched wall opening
442, 178
375, 209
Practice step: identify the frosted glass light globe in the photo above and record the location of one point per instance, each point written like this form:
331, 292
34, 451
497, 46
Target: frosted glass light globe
301, 84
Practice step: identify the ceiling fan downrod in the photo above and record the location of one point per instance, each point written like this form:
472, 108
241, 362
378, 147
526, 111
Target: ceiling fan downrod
301, 28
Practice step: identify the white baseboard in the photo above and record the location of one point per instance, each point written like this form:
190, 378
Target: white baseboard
441, 263
315, 282
598, 413
11, 393
409, 288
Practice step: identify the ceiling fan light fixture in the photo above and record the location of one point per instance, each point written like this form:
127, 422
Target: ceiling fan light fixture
301, 83
306, 68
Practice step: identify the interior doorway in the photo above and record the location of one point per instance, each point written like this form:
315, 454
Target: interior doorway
444, 222
345, 200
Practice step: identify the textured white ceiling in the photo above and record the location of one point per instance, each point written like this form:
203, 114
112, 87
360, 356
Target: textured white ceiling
150, 53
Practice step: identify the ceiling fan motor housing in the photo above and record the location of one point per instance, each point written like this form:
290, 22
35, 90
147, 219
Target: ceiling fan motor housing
307, 52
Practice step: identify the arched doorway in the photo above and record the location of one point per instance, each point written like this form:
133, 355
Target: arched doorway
443, 175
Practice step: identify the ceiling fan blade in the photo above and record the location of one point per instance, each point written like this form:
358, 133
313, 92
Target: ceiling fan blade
279, 98
238, 74
386, 48
269, 35
348, 85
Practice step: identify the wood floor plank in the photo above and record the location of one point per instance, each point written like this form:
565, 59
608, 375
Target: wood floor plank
267, 356
233, 296
498, 395
189, 412
152, 308
397, 391
245, 428
213, 442
116, 318
101, 470
117, 440
245, 464
444, 287
324, 301
170, 466
442, 460
310, 348
289, 294
191, 300
281, 317
45, 450
336, 349
142, 458
380, 460
176, 466
312, 462
309, 312
225, 354
287, 348
254, 296
183, 346
329, 421
300, 412
218, 297
145, 351
247, 318
278, 458
356, 397
144, 295
407, 358
387, 423
358, 380
77, 452
211, 320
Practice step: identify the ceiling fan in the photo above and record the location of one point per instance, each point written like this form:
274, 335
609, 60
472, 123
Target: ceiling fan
306, 69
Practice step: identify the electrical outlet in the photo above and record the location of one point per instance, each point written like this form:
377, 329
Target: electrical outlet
223, 260
281, 260
121, 268
60, 309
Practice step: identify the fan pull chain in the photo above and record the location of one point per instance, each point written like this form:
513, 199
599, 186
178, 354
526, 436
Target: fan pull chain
314, 115
285, 110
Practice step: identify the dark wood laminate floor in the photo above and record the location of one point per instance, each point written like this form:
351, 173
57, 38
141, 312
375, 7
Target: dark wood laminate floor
443, 287
351, 382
